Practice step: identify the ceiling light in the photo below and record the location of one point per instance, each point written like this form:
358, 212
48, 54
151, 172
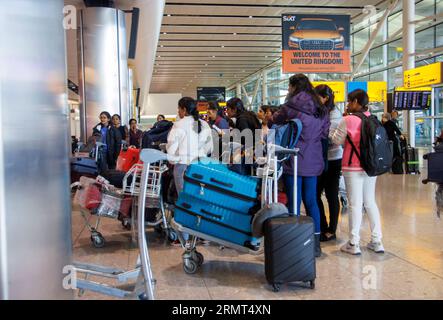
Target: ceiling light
266, 56
213, 56
161, 46
169, 15
250, 17
235, 33
206, 64
159, 56
165, 33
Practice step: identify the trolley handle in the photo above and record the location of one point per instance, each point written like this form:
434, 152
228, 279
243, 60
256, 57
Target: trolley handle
229, 185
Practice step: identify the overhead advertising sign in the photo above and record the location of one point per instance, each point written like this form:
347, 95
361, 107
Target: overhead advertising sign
338, 87
377, 90
315, 43
423, 76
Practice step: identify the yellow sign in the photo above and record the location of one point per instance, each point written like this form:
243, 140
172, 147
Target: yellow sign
413, 89
423, 76
378, 91
338, 87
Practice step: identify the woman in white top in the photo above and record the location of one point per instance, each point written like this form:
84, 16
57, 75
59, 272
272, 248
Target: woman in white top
189, 139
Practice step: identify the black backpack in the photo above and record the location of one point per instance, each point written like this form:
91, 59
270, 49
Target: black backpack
375, 152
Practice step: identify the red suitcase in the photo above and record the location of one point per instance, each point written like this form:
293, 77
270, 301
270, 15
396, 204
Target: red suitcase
127, 158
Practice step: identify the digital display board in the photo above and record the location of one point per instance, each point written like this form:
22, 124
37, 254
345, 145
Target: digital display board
207, 94
412, 100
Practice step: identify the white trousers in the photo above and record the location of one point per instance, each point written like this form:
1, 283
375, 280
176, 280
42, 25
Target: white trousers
361, 191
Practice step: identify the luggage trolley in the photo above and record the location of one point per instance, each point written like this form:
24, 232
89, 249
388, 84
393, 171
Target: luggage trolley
269, 172
114, 202
147, 190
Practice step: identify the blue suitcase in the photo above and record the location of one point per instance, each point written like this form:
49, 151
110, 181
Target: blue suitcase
83, 167
215, 183
213, 220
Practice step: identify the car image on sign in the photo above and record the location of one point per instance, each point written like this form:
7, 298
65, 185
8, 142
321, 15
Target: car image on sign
316, 34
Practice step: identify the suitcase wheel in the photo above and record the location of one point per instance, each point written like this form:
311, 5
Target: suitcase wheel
276, 287
312, 284
97, 240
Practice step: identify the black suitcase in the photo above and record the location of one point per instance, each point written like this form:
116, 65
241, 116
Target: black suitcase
289, 251
435, 167
397, 165
115, 177
412, 162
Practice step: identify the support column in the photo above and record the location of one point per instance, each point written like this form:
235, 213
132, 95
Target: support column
409, 61
264, 88
35, 200
238, 94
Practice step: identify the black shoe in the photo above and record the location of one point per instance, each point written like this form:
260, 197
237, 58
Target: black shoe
317, 246
323, 237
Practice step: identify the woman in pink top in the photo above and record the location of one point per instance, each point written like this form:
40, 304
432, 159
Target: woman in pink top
360, 186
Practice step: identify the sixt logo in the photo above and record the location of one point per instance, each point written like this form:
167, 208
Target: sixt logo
289, 18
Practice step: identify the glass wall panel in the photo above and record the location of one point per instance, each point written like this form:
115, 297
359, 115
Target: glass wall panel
360, 39
424, 39
376, 59
439, 35
395, 23
395, 51
424, 9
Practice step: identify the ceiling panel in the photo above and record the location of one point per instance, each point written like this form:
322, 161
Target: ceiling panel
203, 39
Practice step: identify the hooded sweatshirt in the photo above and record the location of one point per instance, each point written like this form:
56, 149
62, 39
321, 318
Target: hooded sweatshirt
315, 128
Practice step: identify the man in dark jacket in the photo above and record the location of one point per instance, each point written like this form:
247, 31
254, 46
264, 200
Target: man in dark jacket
393, 133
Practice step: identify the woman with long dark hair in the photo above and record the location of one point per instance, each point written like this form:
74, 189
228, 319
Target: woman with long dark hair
359, 186
189, 139
110, 136
329, 179
304, 104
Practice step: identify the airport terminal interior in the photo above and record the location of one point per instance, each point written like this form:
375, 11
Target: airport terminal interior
94, 99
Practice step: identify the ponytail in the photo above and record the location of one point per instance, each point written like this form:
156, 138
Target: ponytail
190, 106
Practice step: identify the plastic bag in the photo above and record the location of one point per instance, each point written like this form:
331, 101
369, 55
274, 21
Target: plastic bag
88, 194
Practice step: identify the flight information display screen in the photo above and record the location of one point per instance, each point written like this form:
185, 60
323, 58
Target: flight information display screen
412, 100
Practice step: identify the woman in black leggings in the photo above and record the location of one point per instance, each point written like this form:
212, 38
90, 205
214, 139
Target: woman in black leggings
329, 180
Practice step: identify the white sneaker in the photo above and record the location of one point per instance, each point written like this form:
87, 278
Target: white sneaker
377, 247
350, 248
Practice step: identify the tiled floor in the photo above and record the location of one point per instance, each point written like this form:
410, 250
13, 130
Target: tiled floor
412, 267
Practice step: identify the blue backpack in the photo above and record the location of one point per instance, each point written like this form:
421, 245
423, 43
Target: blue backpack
286, 135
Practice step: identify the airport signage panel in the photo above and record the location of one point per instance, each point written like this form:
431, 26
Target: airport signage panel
423, 76
338, 87
313, 43
377, 90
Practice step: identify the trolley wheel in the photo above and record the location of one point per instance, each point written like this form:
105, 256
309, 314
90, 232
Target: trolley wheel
190, 266
312, 284
97, 240
198, 257
172, 235
275, 287
126, 224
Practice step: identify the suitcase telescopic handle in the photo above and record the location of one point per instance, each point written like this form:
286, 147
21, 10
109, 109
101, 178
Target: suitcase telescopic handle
228, 185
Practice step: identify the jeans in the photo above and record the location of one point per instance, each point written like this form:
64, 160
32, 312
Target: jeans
329, 181
306, 191
179, 173
361, 191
